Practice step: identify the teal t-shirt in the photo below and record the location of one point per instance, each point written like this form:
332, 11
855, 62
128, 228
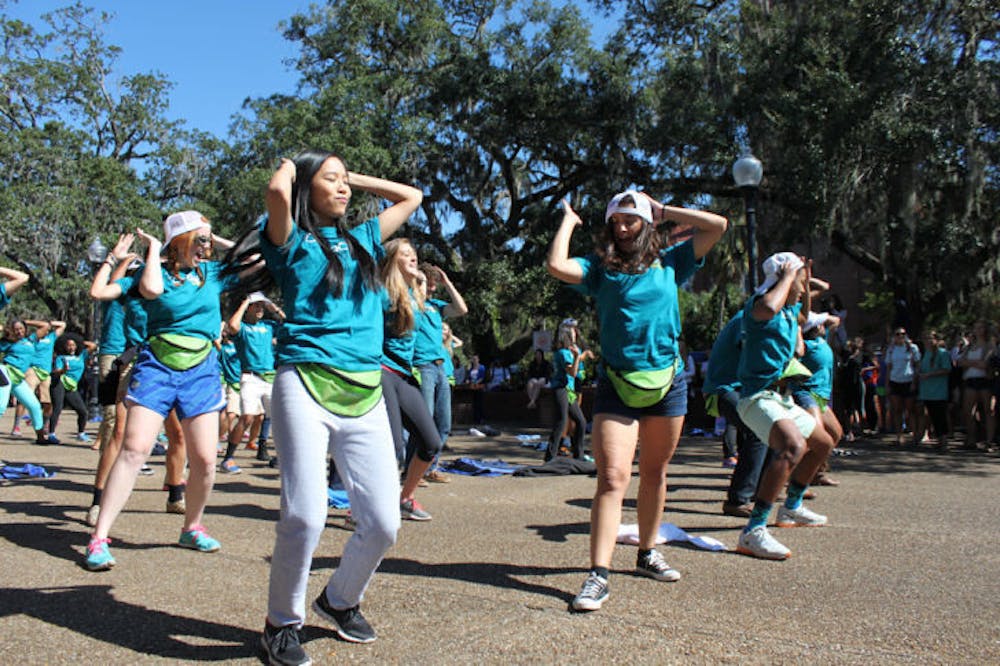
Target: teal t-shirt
113, 339
75, 364
4, 298
229, 362
427, 344
136, 320
189, 306
934, 388
768, 346
344, 332
560, 375
818, 357
45, 348
255, 345
639, 316
724, 359
18, 354
397, 350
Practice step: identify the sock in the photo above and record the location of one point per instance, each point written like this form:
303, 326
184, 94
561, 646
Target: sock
175, 493
759, 515
793, 499
98, 492
601, 571
230, 450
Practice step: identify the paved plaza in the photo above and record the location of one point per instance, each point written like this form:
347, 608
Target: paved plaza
906, 572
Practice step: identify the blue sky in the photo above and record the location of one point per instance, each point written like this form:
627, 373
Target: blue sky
216, 52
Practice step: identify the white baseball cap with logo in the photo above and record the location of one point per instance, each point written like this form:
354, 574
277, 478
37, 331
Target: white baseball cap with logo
181, 223
640, 206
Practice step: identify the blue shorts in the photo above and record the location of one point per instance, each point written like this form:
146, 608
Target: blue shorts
805, 399
674, 403
191, 392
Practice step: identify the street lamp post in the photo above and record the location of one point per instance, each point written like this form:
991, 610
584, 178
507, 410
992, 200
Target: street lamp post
96, 253
747, 172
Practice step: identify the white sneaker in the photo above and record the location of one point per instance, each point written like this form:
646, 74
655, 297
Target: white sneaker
593, 593
92, 514
758, 542
800, 517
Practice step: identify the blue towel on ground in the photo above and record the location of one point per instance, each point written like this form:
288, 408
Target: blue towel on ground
337, 499
27, 471
478, 467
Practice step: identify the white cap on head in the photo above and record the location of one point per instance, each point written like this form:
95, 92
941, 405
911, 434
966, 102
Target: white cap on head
773, 267
181, 223
640, 207
257, 297
568, 322
814, 320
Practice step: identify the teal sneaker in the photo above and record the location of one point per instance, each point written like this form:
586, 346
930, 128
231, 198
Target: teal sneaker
98, 556
197, 539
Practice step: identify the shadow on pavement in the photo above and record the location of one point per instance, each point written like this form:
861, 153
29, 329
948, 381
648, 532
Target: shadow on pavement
91, 610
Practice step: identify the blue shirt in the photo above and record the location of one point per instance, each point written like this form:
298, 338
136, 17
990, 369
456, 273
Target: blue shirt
113, 340
768, 346
397, 350
44, 351
135, 320
75, 364
428, 345
639, 316
818, 357
190, 305
18, 354
560, 375
255, 345
722, 375
344, 332
934, 388
4, 298
229, 362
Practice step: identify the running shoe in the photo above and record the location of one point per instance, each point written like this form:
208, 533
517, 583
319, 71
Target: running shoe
251, 446
98, 556
52, 439
146, 470
800, 517
16, 431
178, 507
434, 476
729, 463
349, 623
758, 542
593, 593
411, 510
83, 437
283, 646
229, 466
197, 539
655, 567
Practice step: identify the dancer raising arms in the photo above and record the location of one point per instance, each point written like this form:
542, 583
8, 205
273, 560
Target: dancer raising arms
176, 369
327, 397
12, 280
634, 282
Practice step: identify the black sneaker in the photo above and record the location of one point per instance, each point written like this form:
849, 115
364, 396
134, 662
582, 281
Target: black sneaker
283, 647
654, 566
350, 623
593, 593
262, 454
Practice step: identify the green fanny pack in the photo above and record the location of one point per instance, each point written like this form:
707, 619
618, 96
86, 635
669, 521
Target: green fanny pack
69, 383
641, 388
16, 376
339, 391
179, 352
41, 373
712, 404
266, 376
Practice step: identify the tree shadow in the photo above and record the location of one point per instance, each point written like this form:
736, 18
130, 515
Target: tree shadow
91, 610
560, 533
496, 574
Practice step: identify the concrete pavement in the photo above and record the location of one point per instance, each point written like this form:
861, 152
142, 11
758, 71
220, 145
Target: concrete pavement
905, 573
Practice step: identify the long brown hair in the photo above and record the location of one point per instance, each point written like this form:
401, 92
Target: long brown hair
401, 296
180, 246
647, 247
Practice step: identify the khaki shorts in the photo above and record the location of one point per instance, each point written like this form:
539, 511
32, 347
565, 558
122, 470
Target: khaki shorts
41, 389
763, 409
232, 400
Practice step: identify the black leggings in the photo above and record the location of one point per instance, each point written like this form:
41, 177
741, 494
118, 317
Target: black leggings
61, 396
566, 410
406, 408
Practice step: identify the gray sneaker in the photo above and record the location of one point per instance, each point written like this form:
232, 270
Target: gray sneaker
349, 623
411, 510
593, 593
800, 517
655, 567
283, 647
758, 542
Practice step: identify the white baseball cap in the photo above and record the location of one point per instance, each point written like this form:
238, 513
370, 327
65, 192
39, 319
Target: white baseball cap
183, 222
814, 320
774, 265
257, 297
640, 207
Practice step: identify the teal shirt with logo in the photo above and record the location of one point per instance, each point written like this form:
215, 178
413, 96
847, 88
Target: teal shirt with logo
45, 348
75, 364
722, 375
639, 316
255, 345
189, 304
428, 346
768, 346
818, 357
344, 332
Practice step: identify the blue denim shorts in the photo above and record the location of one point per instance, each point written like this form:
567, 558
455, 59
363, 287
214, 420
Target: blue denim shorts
191, 392
674, 403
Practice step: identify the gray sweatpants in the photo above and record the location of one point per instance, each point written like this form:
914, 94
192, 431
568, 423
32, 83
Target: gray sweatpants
304, 434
